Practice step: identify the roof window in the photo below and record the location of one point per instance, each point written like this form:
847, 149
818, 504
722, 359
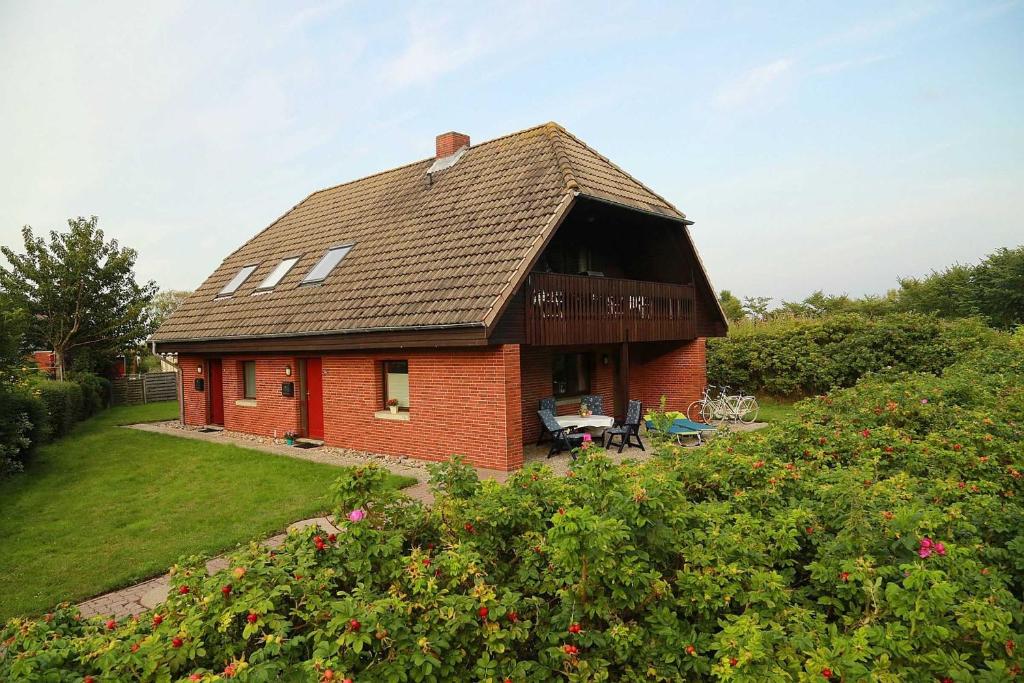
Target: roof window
326, 264
277, 274
236, 282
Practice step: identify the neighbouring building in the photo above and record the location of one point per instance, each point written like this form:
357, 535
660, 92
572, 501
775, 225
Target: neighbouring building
464, 287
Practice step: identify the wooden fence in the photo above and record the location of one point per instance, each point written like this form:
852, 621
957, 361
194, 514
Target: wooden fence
147, 388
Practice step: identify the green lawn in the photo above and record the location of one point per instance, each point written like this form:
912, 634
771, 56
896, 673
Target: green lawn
774, 409
106, 507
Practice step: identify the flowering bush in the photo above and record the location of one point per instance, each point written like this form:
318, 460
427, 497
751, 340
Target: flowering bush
878, 537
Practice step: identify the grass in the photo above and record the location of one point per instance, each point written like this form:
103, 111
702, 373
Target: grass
774, 408
106, 507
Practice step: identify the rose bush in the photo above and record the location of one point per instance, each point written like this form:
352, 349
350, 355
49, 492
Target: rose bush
878, 537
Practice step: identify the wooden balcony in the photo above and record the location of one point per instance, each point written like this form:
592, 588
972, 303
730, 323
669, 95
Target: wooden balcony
574, 309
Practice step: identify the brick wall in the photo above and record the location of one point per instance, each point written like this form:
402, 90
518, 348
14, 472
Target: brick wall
457, 405
194, 408
675, 370
475, 402
273, 414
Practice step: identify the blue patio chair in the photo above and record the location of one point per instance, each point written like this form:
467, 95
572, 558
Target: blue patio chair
594, 402
628, 430
562, 438
546, 403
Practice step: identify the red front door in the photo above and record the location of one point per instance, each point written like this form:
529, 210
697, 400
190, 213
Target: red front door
216, 380
314, 398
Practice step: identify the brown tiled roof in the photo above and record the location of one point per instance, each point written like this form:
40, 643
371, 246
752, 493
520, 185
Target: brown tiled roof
429, 252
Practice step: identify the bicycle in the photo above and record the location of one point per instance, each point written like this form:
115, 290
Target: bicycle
725, 407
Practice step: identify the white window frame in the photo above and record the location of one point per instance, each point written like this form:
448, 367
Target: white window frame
243, 274
311, 280
273, 279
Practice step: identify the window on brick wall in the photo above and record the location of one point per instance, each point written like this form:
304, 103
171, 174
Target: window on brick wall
396, 382
249, 378
570, 373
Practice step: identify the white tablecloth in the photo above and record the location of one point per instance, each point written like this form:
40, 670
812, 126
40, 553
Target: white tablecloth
580, 421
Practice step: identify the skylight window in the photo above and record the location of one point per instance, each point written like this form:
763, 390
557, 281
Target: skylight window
277, 274
326, 264
237, 281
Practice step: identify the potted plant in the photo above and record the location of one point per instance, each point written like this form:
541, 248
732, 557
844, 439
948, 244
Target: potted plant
289, 438
393, 405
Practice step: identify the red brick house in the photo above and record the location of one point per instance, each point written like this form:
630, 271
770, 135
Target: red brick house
464, 287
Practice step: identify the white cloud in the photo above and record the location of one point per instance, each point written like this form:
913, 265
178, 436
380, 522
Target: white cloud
755, 85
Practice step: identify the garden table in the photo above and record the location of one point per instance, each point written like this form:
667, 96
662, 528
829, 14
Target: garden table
580, 421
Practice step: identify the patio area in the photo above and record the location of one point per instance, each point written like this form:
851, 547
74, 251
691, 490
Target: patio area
560, 463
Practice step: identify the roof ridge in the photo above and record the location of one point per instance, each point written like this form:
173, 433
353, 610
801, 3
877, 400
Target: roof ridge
425, 159
619, 169
561, 158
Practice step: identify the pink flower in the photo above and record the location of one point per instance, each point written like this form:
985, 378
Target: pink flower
926, 547
940, 549
587, 437
356, 515
866, 433
924, 401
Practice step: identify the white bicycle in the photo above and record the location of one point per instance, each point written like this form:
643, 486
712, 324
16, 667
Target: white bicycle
733, 408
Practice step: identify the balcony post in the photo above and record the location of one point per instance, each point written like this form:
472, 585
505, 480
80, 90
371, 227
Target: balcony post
624, 377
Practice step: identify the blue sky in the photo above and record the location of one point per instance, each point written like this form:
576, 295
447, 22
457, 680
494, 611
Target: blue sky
833, 146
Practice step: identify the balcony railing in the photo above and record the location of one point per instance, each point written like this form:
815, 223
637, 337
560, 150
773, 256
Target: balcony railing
575, 309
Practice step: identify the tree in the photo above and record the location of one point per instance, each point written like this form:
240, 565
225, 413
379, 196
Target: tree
164, 303
79, 290
943, 293
996, 288
992, 289
732, 306
756, 306
13, 325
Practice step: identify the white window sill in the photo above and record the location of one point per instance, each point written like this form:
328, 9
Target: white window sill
246, 402
400, 416
569, 400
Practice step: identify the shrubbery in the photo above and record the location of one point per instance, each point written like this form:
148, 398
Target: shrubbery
34, 410
63, 401
880, 536
23, 426
96, 392
812, 356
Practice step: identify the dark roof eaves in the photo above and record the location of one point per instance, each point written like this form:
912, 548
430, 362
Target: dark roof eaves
318, 333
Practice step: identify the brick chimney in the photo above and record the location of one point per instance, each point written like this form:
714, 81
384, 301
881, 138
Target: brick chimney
450, 143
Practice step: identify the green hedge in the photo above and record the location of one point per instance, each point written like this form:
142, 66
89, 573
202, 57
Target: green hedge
812, 356
64, 404
23, 426
96, 392
879, 537
36, 411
